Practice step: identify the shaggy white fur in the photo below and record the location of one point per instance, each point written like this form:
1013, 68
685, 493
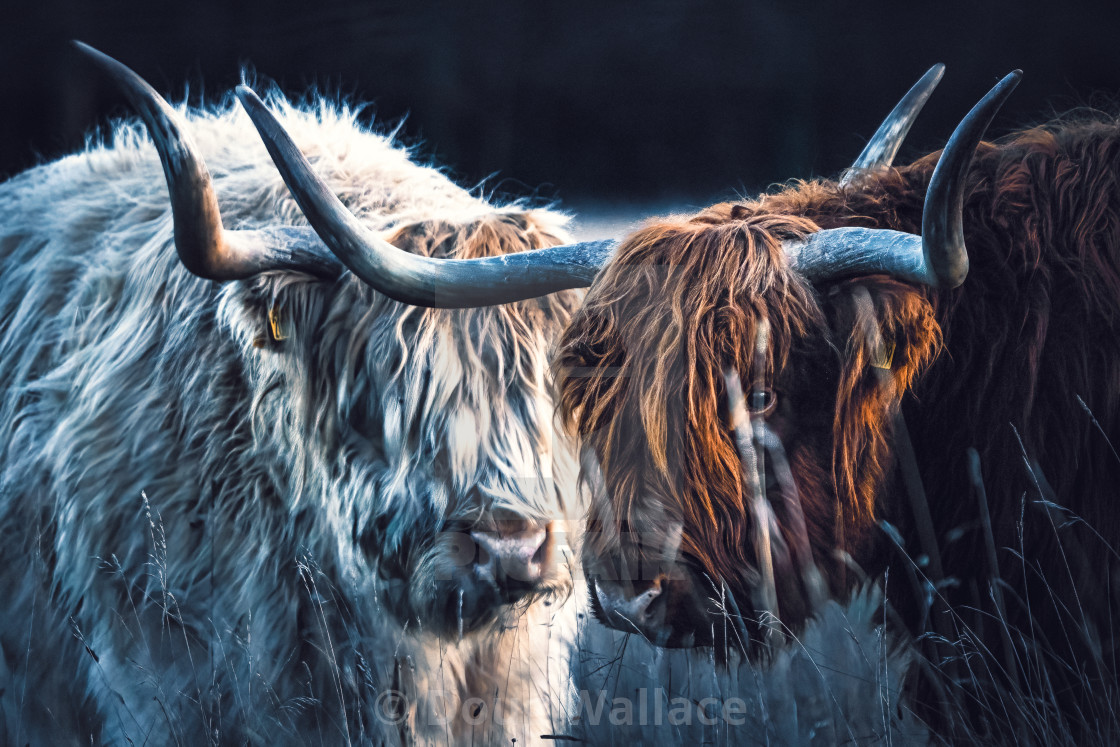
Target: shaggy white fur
211, 536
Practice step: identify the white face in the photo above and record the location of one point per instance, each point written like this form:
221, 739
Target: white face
477, 484
427, 441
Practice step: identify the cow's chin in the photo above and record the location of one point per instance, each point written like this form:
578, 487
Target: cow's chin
467, 600
471, 603
682, 609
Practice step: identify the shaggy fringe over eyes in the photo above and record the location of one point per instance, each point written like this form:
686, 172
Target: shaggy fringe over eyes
492, 338
505, 342
434, 371
640, 369
640, 373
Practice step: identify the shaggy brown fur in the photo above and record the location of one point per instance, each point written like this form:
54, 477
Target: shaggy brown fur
1012, 354
682, 303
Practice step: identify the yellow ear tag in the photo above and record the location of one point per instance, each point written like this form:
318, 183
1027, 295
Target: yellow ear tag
274, 325
884, 355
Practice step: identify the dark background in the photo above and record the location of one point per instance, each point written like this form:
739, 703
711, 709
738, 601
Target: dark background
601, 102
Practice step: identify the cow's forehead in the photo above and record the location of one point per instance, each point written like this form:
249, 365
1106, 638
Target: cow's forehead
469, 388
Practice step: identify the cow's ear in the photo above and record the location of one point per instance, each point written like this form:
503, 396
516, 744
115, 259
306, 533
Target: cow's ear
886, 333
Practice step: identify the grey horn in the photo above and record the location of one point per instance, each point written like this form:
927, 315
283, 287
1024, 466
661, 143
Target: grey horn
942, 224
205, 248
938, 257
413, 279
884, 144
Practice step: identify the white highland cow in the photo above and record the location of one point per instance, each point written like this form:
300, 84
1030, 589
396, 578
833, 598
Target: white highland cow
247, 497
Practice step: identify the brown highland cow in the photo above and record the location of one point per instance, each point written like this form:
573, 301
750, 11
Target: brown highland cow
901, 409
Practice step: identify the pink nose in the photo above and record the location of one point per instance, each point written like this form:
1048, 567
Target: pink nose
514, 553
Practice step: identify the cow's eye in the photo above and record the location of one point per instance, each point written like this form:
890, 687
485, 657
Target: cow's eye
762, 401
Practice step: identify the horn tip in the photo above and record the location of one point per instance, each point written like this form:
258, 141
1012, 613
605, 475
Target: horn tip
95, 54
1001, 90
954, 276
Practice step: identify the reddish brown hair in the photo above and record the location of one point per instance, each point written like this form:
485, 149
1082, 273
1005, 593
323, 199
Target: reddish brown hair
641, 377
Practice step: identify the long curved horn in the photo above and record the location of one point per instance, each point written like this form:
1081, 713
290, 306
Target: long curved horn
938, 257
884, 144
205, 248
413, 279
946, 257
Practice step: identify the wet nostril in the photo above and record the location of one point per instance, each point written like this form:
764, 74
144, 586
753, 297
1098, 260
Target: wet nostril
538, 556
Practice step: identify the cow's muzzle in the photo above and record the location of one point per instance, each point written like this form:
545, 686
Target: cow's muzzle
668, 611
